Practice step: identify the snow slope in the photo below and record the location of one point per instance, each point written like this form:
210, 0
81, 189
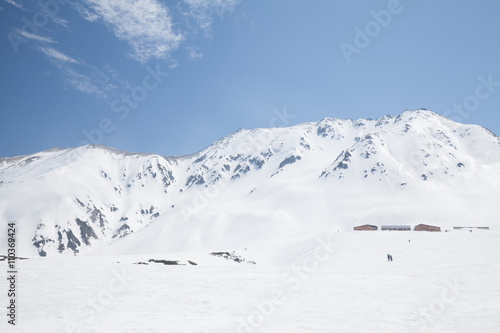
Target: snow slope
254, 188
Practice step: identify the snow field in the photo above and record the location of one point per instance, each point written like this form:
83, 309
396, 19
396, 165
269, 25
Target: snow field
332, 282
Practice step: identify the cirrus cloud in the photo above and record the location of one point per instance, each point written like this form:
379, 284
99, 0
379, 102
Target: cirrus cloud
57, 55
145, 25
203, 11
15, 4
35, 37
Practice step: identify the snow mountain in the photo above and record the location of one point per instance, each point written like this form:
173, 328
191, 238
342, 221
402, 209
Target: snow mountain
254, 188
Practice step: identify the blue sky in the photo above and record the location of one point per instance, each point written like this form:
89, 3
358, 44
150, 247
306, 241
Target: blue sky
170, 77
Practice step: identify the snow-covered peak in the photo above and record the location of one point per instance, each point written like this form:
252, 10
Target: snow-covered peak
254, 186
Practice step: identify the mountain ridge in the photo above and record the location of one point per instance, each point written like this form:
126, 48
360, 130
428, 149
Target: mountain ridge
252, 183
120, 151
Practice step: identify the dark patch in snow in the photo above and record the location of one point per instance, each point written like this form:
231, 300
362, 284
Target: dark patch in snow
165, 262
97, 216
195, 179
257, 162
123, 231
343, 164
73, 242
234, 158
30, 160
231, 256
168, 178
61, 247
304, 144
289, 160
359, 123
267, 154
321, 131
39, 242
86, 231
200, 159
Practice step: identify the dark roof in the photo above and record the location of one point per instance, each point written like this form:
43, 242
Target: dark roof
395, 226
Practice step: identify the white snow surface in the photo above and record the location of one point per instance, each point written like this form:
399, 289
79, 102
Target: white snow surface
332, 282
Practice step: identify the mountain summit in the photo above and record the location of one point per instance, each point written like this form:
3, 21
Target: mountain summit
255, 187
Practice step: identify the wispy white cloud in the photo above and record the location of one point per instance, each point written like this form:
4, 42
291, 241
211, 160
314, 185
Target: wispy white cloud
112, 72
38, 38
73, 78
15, 4
57, 55
76, 73
82, 82
195, 54
86, 13
60, 21
203, 11
89, 79
146, 25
